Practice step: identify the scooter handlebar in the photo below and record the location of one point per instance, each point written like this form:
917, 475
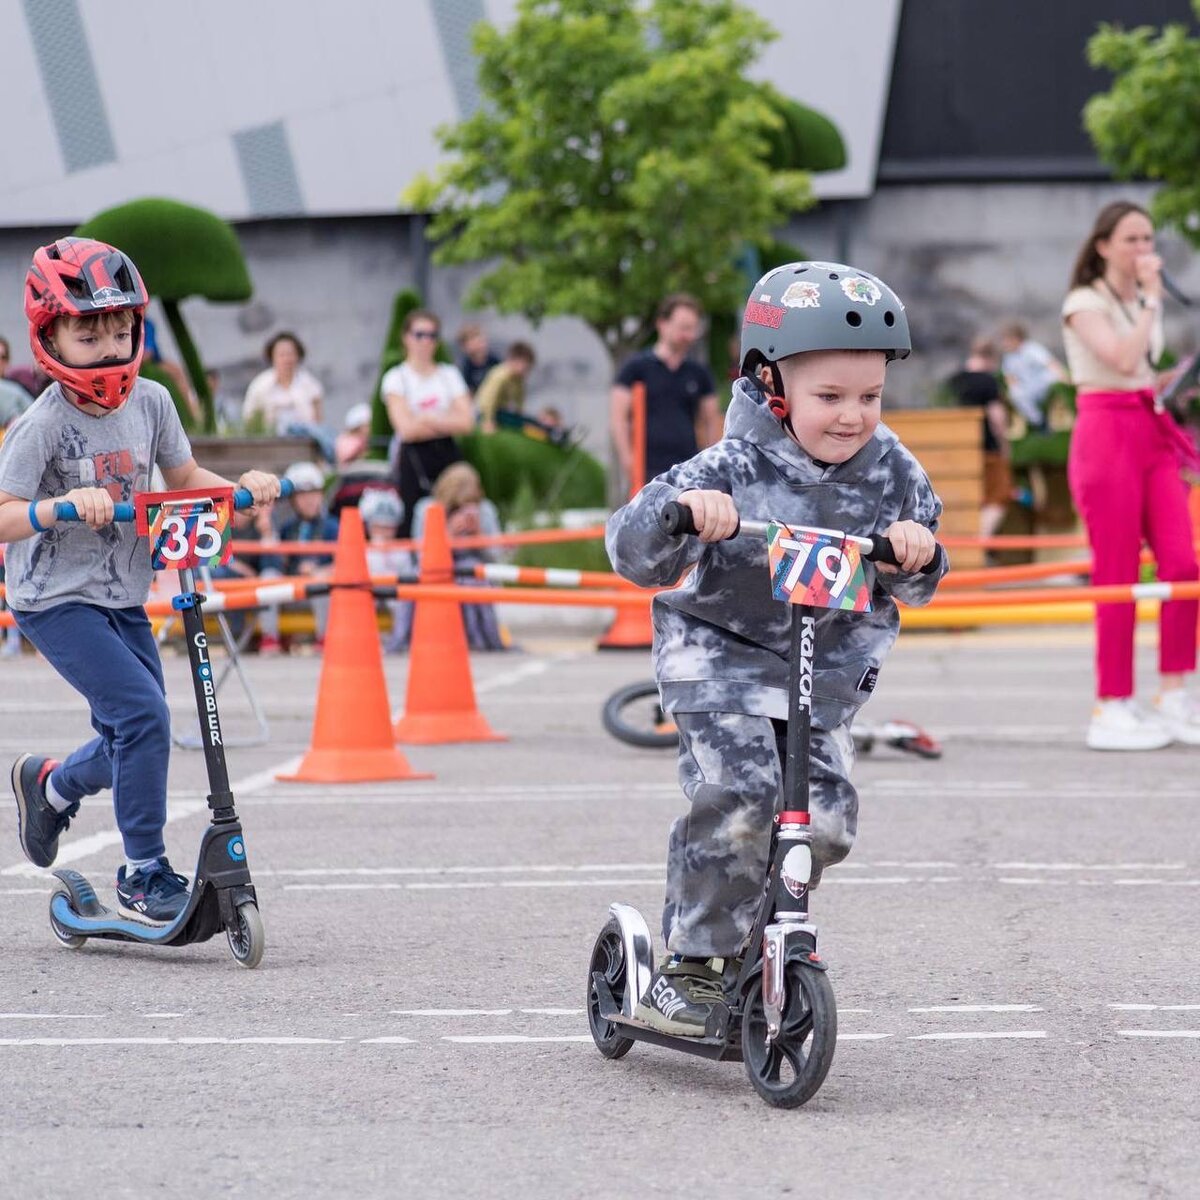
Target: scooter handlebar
677, 520
64, 510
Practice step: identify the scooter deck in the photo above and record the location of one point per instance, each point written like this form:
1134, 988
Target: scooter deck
724, 1049
80, 912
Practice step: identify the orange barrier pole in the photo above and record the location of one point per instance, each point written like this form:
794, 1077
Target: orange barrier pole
440, 704
352, 730
524, 537
1116, 593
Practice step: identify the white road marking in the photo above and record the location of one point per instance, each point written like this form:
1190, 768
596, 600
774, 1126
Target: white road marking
163, 1015
505, 1039
862, 1037
981, 1035
1156, 1007
454, 887
554, 1012
14, 1016
73, 851
1070, 866
303, 872
1160, 1033
989, 1008
451, 1012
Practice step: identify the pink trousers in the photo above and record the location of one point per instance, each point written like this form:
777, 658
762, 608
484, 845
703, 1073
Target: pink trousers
1125, 475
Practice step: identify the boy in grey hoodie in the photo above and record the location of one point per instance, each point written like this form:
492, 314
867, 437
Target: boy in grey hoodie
804, 445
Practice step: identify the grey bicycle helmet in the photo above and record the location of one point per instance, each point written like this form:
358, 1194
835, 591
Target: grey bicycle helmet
820, 306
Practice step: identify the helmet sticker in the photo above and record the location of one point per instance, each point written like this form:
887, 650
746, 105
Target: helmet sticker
801, 295
108, 296
861, 290
769, 315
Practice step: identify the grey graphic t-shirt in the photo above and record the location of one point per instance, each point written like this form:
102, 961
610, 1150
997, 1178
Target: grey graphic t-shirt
54, 447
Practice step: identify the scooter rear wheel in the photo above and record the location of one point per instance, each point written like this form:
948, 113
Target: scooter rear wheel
634, 715
608, 957
788, 1071
66, 938
247, 939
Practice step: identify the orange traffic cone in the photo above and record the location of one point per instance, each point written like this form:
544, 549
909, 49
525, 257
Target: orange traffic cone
631, 629
440, 704
352, 733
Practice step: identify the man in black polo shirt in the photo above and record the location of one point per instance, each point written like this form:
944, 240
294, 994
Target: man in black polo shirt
682, 413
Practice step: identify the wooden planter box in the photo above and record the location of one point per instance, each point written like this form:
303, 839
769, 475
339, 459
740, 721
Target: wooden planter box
948, 443
233, 455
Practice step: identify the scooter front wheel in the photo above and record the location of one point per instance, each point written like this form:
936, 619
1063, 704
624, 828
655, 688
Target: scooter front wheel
608, 959
787, 1070
66, 938
247, 940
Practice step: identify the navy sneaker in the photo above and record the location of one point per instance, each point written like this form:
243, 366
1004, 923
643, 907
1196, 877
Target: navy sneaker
38, 822
155, 893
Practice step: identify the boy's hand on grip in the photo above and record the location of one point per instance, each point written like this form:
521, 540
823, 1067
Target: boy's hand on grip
93, 505
263, 487
714, 513
913, 544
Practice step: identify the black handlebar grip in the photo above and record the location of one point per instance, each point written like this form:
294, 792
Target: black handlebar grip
676, 519
881, 551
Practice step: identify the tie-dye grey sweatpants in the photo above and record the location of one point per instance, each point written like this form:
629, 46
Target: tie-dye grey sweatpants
730, 770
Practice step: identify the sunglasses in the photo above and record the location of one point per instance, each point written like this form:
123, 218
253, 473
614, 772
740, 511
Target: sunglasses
424, 335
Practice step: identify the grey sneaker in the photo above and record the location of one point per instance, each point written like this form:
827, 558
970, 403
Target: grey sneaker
685, 998
38, 823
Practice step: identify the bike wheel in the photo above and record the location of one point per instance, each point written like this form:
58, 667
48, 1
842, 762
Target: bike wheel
608, 958
788, 1071
634, 715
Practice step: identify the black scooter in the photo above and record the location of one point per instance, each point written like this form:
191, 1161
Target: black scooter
782, 1016
222, 895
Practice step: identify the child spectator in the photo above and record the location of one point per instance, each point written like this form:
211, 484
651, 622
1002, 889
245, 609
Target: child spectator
503, 388
308, 523
476, 359
977, 385
381, 510
459, 490
1030, 371
351, 444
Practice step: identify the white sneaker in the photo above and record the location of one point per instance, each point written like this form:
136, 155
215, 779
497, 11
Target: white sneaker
1125, 725
1179, 714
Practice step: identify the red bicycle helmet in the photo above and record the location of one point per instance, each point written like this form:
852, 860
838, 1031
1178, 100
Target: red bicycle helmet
80, 277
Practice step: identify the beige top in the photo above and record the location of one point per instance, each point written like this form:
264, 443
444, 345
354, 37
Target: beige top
1090, 373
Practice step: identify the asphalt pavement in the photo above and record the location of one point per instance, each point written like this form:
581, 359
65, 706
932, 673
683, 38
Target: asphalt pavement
1013, 945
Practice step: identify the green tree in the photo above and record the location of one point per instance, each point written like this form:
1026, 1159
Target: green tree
181, 251
1147, 125
620, 153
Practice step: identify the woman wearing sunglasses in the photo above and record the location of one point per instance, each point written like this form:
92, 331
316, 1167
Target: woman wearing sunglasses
428, 405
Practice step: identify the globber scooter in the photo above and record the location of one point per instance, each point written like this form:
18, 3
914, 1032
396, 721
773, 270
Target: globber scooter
185, 530
782, 1017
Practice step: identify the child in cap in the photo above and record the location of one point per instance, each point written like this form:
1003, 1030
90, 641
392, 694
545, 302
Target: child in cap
78, 590
382, 510
803, 444
309, 522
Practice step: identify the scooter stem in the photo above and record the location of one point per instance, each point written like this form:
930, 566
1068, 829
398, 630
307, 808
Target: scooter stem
799, 724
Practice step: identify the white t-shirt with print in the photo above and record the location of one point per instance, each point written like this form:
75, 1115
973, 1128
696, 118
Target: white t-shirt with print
426, 395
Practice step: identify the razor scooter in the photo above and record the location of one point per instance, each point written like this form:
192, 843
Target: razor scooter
782, 1016
185, 529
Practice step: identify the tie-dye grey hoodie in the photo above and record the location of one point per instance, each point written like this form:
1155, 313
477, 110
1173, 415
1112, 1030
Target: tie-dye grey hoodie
720, 639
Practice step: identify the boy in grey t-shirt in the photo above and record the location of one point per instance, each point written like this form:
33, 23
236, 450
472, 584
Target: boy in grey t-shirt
78, 590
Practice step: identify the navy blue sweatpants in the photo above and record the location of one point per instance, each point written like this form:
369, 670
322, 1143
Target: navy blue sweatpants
108, 655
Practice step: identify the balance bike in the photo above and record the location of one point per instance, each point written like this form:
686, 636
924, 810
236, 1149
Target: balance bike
782, 1016
186, 530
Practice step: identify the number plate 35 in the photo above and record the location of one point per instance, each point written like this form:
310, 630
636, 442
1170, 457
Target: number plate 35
186, 530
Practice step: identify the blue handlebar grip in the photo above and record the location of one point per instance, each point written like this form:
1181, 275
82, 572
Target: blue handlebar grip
65, 511
243, 499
